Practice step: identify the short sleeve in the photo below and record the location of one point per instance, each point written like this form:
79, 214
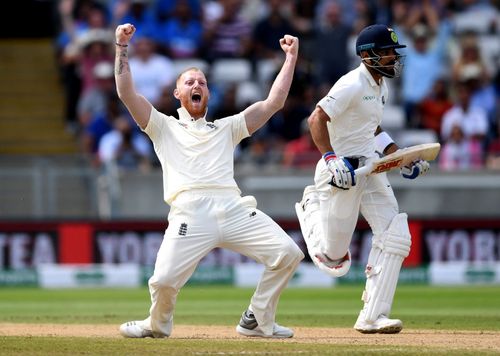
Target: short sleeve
156, 125
336, 101
238, 127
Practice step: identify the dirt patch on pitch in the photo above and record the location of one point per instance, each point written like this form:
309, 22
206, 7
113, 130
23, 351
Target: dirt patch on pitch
453, 339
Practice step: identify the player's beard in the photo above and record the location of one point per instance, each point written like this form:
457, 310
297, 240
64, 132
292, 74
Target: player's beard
389, 71
196, 109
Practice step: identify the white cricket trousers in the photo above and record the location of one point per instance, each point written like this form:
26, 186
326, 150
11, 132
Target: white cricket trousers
201, 220
372, 196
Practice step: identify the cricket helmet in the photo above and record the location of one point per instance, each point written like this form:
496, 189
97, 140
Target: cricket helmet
377, 37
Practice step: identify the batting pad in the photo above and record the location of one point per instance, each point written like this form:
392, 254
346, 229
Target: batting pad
310, 220
387, 258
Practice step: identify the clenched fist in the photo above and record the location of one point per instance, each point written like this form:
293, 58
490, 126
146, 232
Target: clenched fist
124, 33
290, 45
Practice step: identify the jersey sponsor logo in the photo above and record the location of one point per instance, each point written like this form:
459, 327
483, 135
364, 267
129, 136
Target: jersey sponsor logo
211, 125
387, 166
329, 98
369, 97
182, 124
183, 229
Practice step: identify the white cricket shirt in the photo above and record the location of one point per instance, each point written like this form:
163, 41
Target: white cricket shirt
355, 105
193, 153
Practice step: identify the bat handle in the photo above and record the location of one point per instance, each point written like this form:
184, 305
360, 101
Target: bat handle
363, 171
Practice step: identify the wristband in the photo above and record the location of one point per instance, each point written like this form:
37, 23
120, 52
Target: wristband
382, 140
329, 156
120, 45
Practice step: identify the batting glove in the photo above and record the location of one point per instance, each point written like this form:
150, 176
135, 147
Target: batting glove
414, 170
342, 171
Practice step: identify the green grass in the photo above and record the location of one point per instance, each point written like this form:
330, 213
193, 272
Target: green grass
420, 307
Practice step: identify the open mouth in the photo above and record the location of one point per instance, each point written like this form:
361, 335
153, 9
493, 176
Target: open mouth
196, 98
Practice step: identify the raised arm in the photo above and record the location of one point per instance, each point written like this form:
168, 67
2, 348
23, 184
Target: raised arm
259, 113
138, 106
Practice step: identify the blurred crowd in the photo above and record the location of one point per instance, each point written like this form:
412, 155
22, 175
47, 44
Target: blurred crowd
448, 91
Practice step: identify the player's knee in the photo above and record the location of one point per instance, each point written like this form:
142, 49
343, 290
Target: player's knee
293, 254
289, 256
163, 281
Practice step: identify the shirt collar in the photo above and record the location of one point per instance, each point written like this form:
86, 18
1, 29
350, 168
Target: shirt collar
368, 75
184, 116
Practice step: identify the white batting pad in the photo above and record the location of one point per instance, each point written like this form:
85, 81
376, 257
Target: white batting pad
309, 217
384, 265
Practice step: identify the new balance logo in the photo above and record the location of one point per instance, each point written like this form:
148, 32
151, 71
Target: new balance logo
383, 167
183, 229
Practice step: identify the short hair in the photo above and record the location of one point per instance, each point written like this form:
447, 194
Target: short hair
196, 69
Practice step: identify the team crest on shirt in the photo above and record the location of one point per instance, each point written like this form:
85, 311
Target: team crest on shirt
183, 229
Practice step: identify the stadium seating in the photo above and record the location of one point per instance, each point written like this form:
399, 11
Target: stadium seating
31, 100
226, 71
182, 64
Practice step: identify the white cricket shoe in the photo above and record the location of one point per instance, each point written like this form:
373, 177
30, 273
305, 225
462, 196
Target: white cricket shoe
248, 326
383, 325
135, 329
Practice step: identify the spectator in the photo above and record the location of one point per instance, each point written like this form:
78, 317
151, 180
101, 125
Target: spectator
124, 146
298, 105
166, 9
77, 18
180, 36
138, 12
425, 60
434, 106
270, 29
482, 92
331, 60
101, 124
303, 21
472, 120
304, 13
469, 55
228, 106
95, 48
460, 152
93, 101
301, 152
229, 35
261, 150
152, 71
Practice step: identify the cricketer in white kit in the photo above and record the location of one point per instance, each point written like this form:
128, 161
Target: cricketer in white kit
207, 210
345, 126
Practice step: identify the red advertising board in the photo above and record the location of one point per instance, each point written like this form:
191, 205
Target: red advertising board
27, 244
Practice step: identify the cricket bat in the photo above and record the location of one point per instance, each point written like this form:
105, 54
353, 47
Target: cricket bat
400, 158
